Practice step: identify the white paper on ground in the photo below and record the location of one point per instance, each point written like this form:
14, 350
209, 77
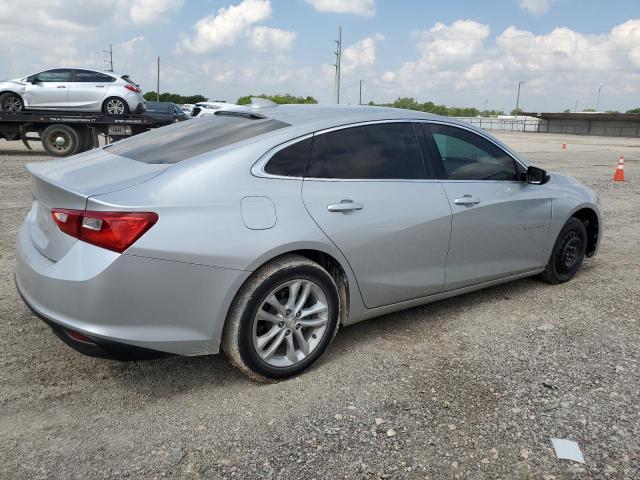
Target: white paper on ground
567, 450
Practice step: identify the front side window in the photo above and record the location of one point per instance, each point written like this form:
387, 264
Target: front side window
378, 151
57, 75
467, 156
291, 161
93, 77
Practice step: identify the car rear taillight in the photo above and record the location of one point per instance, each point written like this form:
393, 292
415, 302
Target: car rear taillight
133, 88
115, 231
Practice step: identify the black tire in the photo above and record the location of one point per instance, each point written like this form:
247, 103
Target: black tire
568, 253
109, 107
237, 337
86, 140
60, 140
11, 102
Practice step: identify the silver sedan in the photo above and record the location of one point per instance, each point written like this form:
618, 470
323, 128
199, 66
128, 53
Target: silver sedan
260, 231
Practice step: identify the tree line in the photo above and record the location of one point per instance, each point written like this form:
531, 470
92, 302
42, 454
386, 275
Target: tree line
409, 103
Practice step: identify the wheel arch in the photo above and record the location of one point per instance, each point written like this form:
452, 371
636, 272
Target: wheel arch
337, 267
591, 220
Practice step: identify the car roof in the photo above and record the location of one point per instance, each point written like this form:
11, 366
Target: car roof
318, 116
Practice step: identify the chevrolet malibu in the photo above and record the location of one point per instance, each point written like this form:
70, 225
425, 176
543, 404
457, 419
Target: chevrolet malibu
260, 231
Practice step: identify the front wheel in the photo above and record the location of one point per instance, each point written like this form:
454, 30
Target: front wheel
115, 106
11, 102
568, 253
283, 319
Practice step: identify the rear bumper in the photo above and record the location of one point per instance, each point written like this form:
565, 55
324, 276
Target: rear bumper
125, 301
97, 347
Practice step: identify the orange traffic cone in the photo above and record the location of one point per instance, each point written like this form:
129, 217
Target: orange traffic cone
619, 175
564, 146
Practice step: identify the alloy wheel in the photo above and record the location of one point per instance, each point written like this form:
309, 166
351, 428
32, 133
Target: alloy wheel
290, 323
115, 107
12, 104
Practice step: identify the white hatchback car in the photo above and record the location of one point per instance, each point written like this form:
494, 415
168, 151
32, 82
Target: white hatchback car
73, 89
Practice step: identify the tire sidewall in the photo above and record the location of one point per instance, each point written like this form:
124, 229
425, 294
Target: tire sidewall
73, 135
572, 225
245, 331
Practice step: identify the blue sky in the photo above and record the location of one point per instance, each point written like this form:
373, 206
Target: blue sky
458, 52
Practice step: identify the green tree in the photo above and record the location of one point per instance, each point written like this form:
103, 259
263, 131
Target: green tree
589, 110
517, 112
634, 110
279, 99
174, 97
410, 103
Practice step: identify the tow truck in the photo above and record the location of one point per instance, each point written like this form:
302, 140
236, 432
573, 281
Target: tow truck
67, 133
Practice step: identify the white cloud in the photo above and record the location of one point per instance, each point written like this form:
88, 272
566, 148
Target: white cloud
360, 55
224, 28
364, 8
266, 38
559, 67
144, 12
537, 7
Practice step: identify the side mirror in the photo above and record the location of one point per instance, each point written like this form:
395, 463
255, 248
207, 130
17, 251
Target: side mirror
33, 79
537, 176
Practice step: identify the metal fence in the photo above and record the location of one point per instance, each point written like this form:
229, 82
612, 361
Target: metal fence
519, 124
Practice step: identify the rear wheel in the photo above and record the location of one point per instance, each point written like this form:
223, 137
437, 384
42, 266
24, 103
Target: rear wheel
115, 106
282, 320
60, 140
568, 253
11, 102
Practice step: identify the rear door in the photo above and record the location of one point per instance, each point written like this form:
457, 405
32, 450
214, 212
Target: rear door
500, 223
89, 89
367, 189
50, 89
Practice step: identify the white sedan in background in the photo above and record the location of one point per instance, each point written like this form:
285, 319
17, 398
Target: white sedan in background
203, 109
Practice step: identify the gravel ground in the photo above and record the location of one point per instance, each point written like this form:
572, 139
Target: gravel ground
471, 387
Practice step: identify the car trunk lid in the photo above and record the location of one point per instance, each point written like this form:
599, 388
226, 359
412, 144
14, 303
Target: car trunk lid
69, 183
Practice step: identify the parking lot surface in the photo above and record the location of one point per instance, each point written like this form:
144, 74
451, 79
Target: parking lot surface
471, 387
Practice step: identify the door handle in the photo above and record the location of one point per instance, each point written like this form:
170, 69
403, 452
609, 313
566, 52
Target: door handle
99, 86
467, 200
61, 86
345, 206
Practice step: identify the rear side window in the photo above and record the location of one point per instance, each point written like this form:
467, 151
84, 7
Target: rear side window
291, 161
94, 77
180, 141
379, 151
467, 156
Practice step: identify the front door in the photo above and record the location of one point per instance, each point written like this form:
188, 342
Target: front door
366, 188
49, 89
500, 223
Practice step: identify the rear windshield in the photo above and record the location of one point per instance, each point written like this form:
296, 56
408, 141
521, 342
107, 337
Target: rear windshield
180, 141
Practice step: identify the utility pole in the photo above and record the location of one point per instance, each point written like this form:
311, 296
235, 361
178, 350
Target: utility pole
158, 83
575, 110
360, 101
338, 54
598, 99
110, 61
485, 105
520, 83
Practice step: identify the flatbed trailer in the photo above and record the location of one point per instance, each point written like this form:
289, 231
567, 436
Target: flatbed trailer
67, 133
